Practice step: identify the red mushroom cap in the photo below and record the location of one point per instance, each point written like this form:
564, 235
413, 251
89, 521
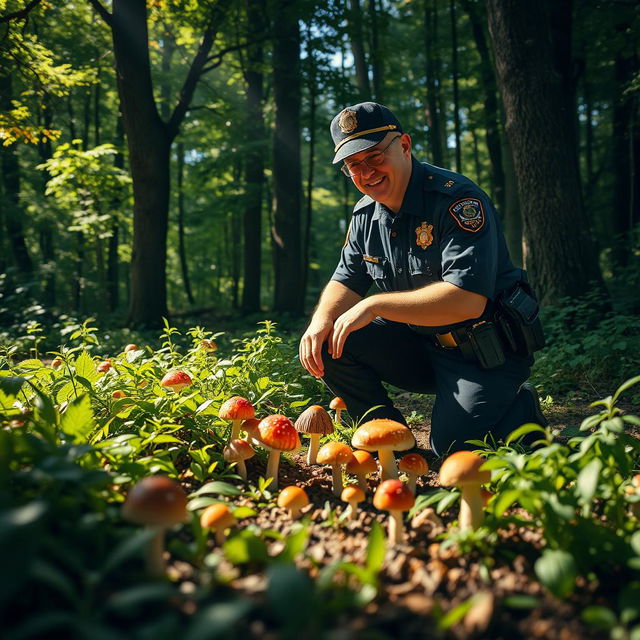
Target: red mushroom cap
236, 408
208, 345
176, 380
278, 432
393, 495
156, 501
414, 463
104, 366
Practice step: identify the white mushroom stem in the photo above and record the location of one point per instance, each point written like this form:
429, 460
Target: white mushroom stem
272, 468
352, 509
411, 483
295, 512
154, 554
242, 469
396, 527
336, 475
314, 445
338, 416
470, 507
235, 429
388, 468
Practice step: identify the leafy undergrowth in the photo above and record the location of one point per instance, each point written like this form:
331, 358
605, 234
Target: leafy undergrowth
557, 556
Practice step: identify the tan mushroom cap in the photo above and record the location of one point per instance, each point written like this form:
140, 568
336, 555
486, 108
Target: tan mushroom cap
277, 432
236, 408
156, 501
217, 516
461, 468
237, 450
338, 403
363, 462
393, 495
315, 419
293, 497
383, 433
335, 453
352, 493
176, 380
413, 463
250, 425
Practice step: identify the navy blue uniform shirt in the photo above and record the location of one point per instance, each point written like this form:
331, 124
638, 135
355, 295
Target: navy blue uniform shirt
446, 230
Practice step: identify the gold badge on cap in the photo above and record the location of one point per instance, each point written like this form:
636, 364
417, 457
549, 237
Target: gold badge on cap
424, 237
348, 121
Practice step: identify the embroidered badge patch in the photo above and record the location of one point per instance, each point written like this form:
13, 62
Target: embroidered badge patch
348, 121
424, 235
468, 213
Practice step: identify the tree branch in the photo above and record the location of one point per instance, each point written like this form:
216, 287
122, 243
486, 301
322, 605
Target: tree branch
216, 58
102, 12
22, 14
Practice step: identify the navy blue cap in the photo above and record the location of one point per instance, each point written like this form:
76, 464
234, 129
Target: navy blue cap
360, 127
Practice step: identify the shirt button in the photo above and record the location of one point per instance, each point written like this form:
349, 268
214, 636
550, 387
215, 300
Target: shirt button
394, 234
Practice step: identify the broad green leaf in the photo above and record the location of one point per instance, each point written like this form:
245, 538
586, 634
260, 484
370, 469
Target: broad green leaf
587, 481
447, 501
624, 386
66, 392
86, 367
217, 620
523, 430
520, 601
217, 486
376, 548
599, 617
504, 500
456, 614
245, 547
77, 420
30, 365
11, 385
556, 570
295, 544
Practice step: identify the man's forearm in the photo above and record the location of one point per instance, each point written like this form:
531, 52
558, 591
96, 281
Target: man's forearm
436, 305
335, 300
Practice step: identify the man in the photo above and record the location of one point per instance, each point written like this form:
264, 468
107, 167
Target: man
430, 240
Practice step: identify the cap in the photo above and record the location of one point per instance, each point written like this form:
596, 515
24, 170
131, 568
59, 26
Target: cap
382, 433
360, 127
463, 467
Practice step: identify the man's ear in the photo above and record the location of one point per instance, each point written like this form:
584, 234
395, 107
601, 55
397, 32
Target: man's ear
405, 141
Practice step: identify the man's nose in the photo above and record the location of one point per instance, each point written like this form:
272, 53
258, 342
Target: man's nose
366, 170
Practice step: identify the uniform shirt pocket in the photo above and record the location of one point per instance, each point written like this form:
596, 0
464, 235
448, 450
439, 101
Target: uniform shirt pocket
423, 267
377, 268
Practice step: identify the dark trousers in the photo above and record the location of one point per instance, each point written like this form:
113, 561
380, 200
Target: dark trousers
470, 401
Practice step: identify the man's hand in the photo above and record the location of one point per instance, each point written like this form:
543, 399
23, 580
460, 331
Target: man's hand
310, 349
360, 315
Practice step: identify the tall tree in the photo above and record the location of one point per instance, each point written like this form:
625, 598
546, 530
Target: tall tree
433, 108
560, 256
358, 51
456, 92
287, 169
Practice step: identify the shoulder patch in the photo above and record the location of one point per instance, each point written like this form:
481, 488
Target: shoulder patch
468, 213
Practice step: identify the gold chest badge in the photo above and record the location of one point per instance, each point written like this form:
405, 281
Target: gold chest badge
424, 235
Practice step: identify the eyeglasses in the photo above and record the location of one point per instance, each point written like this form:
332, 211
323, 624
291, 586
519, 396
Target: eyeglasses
374, 159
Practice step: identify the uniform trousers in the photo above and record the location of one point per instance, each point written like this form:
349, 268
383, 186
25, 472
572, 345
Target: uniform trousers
470, 402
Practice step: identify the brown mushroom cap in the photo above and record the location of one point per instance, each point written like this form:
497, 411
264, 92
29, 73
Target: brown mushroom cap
237, 450
156, 501
338, 403
352, 493
335, 453
382, 433
393, 495
217, 516
131, 347
461, 468
250, 425
176, 380
277, 432
236, 408
413, 463
363, 462
105, 365
293, 498
315, 419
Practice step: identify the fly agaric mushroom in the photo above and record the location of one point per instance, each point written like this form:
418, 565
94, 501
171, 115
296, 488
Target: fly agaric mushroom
218, 518
413, 465
384, 436
238, 451
176, 380
314, 422
157, 502
339, 406
250, 425
275, 433
462, 469
236, 410
395, 497
336, 454
294, 499
362, 464
352, 494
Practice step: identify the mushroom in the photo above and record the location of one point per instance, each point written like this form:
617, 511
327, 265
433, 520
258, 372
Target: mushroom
413, 465
209, 346
218, 518
104, 366
275, 433
294, 499
362, 464
118, 393
236, 410
157, 502
238, 451
462, 469
352, 494
384, 436
395, 497
56, 362
176, 380
314, 422
339, 406
131, 347
335, 454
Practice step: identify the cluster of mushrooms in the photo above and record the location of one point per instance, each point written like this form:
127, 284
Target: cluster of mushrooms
161, 503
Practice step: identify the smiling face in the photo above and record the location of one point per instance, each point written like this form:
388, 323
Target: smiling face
387, 182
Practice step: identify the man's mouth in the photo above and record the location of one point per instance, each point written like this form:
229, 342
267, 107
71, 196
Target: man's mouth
375, 183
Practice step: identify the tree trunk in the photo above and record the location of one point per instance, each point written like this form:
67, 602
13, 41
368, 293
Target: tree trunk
184, 267
254, 160
287, 170
454, 74
376, 54
357, 49
560, 257
433, 110
511, 214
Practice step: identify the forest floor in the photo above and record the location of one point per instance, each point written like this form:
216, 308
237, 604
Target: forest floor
420, 581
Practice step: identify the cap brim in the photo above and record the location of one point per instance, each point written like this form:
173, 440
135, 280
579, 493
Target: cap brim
357, 145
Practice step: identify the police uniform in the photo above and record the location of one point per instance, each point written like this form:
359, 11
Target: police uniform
446, 230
